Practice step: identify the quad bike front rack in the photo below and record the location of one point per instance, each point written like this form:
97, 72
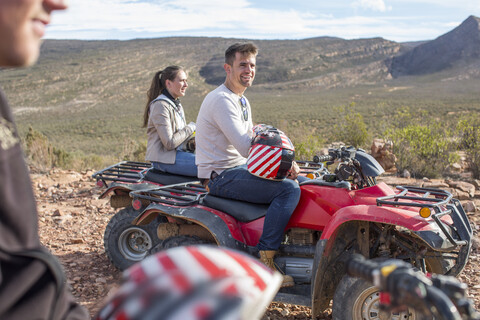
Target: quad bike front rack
440, 203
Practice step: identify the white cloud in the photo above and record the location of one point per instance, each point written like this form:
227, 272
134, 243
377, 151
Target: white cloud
375, 5
127, 19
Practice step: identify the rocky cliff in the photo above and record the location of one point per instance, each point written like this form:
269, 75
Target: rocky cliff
457, 48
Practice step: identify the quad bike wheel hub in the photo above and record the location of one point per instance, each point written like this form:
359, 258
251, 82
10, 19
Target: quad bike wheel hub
134, 243
368, 305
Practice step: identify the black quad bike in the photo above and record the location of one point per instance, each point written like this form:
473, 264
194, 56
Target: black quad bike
125, 243
339, 214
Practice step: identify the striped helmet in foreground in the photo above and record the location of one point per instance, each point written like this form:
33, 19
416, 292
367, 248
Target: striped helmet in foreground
195, 283
271, 154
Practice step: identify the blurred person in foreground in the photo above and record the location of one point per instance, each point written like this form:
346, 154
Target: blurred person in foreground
223, 139
32, 282
169, 135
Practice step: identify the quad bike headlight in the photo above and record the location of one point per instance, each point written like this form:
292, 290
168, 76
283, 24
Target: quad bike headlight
425, 212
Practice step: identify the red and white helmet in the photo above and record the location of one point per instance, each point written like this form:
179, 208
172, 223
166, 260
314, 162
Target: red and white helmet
195, 283
271, 154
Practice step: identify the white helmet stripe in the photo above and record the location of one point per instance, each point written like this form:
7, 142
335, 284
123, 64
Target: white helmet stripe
264, 158
267, 162
254, 152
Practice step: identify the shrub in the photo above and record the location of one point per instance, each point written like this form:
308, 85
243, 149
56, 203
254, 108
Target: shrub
469, 133
424, 150
307, 147
134, 150
38, 150
351, 128
41, 155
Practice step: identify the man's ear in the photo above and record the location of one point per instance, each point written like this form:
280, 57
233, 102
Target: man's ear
227, 68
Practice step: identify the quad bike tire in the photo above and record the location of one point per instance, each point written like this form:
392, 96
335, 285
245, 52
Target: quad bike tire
125, 244
177, 241
357, 299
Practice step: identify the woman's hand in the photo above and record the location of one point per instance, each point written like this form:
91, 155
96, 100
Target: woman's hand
192, 125
294, 171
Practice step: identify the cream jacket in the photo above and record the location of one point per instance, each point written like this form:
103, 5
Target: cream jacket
166, 130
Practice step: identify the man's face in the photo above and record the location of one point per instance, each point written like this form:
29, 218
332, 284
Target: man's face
22, 25
243, 70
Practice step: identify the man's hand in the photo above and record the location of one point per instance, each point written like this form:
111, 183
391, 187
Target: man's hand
294, 171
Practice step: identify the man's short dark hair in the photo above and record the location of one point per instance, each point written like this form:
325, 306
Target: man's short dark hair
243, 48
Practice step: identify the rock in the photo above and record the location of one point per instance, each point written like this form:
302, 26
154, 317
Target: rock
100, 280
469, 206
463, 186
435, 184
476, 183
456, 167
475, 243
381, 150
405, 174
461, 195
285, 312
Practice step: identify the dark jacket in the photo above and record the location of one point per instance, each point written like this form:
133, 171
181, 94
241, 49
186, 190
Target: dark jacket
32, 281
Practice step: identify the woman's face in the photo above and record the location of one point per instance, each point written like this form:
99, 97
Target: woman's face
22, 25
178, 86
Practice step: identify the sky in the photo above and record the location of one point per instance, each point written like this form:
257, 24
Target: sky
396, 20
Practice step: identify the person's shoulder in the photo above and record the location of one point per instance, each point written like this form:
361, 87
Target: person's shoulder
162, 101
220, 90
220, 94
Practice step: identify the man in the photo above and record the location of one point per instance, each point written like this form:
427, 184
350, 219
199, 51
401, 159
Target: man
32, 283
223, 139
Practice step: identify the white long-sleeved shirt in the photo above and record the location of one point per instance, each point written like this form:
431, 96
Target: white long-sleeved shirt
223, 136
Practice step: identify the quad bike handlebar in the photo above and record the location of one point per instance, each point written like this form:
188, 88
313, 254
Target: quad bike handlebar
343, 154
443, 297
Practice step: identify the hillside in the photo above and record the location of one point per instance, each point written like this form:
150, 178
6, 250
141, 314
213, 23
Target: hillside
88, 97
457, 48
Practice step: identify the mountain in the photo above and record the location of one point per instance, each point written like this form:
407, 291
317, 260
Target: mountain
98, 88
457, 48
307, 60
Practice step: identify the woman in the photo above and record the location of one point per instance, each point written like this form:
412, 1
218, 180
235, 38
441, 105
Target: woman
166, 126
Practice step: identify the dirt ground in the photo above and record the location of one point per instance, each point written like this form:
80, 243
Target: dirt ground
72, 221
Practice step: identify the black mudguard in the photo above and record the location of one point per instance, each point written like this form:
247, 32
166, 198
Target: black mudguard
210, 221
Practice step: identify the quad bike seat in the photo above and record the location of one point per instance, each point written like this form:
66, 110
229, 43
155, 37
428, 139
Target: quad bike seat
246, 211
336, 184
241, 211
165, 178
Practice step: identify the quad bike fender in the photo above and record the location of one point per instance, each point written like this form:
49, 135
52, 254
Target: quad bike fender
222, 227
328, 265
126, 188
425, 229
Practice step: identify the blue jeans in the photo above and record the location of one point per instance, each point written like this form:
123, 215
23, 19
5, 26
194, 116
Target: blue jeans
184, 165
283, 196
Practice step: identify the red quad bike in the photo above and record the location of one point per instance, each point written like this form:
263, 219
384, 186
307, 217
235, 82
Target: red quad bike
125, 243
339, 214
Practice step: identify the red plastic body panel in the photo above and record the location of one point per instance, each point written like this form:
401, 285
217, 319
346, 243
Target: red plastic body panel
325, 208
318, 204
409, 219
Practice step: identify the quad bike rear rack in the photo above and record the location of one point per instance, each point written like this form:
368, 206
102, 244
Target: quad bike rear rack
440, 203
181, 194
124, 172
